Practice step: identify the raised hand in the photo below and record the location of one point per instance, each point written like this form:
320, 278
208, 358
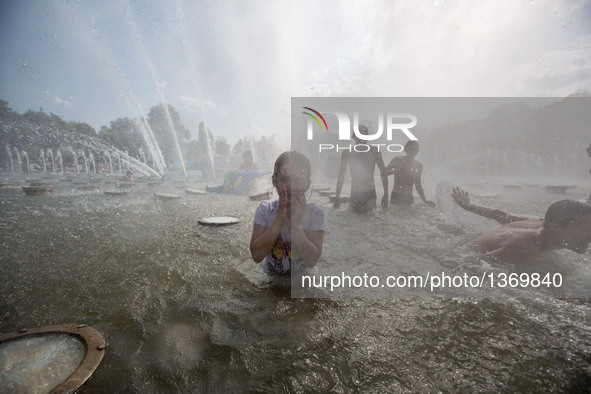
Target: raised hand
284, 205
298, 206
461, 197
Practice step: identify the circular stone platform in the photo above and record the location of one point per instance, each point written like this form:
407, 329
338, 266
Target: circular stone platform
219, 221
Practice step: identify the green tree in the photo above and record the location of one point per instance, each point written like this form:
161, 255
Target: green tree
267, 151
8, 119
57, 122
5, 109
123, 134
222, 148
82, 128
164, 121
191, 150
38, 118
238, 148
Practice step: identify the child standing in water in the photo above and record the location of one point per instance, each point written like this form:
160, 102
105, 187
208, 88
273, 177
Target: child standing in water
289, 231
407, 173
362, 165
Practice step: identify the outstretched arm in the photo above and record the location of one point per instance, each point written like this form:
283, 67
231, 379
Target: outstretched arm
463, 200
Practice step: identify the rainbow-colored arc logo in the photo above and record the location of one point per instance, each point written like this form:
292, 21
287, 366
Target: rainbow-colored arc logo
315, 118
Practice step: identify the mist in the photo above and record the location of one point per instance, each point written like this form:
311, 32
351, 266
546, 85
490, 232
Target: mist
235, 66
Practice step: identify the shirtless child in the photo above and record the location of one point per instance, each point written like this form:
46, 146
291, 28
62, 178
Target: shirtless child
407, 173
362, 166
567, 225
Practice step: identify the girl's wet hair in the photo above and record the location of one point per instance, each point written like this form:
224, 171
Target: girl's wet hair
297, 159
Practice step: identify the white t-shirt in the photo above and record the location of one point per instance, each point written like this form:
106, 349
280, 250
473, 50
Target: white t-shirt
281, 257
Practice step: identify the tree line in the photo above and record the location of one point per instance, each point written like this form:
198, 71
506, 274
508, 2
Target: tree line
34, 131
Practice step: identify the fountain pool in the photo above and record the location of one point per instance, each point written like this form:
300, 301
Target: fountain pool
184, 309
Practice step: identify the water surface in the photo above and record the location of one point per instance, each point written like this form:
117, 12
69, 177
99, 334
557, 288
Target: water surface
183, 308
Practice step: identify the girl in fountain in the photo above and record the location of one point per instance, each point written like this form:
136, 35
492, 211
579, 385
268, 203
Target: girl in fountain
288, 233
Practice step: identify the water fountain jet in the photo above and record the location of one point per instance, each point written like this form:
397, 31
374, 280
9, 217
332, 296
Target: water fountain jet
75, 161
81, 152
18, 160
10, 158
42, 157
59, 156
206, 161
27, 161
50, 153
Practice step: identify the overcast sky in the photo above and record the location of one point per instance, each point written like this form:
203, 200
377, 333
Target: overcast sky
236, 64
